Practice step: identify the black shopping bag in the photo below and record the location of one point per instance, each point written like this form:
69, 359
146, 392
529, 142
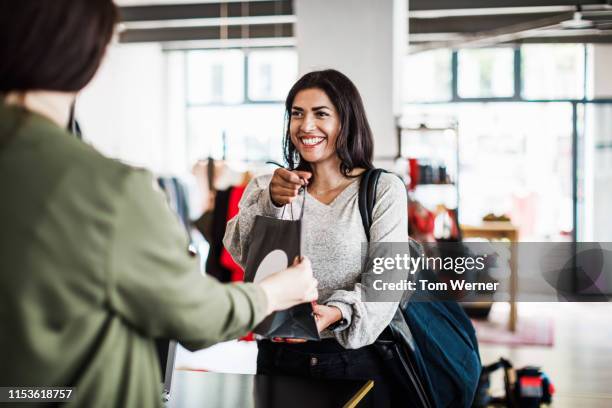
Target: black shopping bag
274, 245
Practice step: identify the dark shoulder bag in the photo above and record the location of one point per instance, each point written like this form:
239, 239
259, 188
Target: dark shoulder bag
395, 344
430, 347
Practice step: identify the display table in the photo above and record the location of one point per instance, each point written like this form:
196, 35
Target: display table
215, 390
494, 230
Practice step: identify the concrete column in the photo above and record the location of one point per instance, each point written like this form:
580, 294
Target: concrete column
366, 40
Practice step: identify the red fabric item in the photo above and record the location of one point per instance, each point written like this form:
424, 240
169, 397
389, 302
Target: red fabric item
237, 274
420, 222
535, 382
421, 219
413, 170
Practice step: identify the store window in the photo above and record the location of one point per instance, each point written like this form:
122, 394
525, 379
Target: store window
215, 77
235, 103
271, 74
595, 172
553, 71
241, 133
486, 73
427, 76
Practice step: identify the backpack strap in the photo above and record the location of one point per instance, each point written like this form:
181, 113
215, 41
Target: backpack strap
367, 197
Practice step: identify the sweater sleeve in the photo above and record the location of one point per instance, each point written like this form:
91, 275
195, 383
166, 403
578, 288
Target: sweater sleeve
255, 201
364, 321
155, 285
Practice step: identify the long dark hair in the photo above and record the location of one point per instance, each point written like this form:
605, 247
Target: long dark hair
53, 45
354, 144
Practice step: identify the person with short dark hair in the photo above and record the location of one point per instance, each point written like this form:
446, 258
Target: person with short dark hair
328, 145
93, 264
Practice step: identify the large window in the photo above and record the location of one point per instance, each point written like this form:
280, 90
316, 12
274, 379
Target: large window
215, 77
515, 159
486, 73
235, 101
553, 71
547, 72
241, 133
271, 74
427, 76
515, 128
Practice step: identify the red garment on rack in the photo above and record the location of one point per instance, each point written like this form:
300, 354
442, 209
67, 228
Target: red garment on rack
413, 171
420, 222
237, 274
421, 219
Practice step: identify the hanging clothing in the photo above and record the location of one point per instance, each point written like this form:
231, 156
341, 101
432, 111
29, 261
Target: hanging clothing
236, 271
213, 261
219, 262
177, 198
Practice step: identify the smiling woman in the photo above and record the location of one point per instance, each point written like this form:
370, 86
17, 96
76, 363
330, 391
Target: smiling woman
328, 145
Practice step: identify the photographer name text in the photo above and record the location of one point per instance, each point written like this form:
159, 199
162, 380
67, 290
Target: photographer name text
423, 284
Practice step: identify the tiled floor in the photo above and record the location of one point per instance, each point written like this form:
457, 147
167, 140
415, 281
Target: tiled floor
579, 364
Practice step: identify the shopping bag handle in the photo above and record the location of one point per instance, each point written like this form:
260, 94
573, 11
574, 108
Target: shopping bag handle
302, 190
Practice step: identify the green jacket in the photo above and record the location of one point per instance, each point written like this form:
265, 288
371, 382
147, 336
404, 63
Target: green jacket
93, 266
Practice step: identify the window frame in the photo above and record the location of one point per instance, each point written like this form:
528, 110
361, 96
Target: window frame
517, 81
576, 132
517, 78
246, 100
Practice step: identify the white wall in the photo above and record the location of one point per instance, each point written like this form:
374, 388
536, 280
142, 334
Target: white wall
365, 40
175, 132
121, 111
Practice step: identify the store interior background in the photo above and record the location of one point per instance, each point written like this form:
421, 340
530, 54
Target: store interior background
529, 98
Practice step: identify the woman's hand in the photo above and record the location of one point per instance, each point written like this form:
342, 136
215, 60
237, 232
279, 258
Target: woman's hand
325, 316
291, 286
285, 185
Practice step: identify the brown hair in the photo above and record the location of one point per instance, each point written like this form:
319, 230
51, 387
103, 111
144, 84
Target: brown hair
53, 45
354, 145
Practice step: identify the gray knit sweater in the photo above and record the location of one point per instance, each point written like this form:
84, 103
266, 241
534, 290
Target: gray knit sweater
332, 238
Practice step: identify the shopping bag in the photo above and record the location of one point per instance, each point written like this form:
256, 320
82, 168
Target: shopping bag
274, 244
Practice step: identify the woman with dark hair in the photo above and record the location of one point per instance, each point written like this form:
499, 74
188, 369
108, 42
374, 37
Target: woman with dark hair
328, 145
93, 265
